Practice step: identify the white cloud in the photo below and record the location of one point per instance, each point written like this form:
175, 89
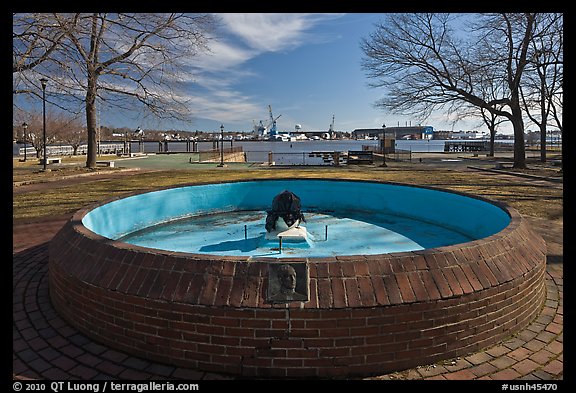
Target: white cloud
223, 56
224, 107
246, 36
274, 32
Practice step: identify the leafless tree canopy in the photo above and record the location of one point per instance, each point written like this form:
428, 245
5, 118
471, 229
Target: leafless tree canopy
451, 63
134, 57
409, 56
128, 61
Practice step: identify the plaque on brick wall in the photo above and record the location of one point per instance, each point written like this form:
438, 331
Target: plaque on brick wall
287, 282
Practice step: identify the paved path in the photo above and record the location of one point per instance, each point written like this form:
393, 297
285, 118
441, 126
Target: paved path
46, 347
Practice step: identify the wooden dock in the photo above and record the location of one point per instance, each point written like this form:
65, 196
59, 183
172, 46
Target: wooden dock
466, 146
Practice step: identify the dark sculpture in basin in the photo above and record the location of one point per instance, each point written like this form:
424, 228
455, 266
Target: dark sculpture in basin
285, 205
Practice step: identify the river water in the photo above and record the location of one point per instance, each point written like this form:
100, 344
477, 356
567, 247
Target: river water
286, 152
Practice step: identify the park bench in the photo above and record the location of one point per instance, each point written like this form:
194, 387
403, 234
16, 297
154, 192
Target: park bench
52, 160
105, 163
360, 157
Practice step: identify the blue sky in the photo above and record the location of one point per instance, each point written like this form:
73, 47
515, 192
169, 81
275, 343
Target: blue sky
306, 66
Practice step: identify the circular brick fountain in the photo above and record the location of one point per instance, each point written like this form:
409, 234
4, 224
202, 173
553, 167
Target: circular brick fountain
363, 314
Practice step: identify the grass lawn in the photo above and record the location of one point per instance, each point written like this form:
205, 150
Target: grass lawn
530, 198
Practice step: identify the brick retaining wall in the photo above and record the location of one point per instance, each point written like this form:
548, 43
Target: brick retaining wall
366, 314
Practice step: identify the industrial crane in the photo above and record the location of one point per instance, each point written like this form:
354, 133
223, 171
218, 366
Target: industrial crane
272, 125
330, 133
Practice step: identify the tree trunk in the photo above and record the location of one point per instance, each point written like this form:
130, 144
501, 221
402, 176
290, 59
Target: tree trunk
91, 121
492, 137
543, 142
519, 145
518, 126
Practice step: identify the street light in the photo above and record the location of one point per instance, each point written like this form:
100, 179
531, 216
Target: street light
141, 139
221, 165
25, 128
384, 145
43, 81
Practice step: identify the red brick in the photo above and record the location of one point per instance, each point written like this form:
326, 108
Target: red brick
379, 290
236, 292
366, 291
147, 283
301, 353
321, 270
384, 267
420, 262
313, 294
338, 292
255, 323
352, 292
324, 293
157, 287
392, 290
228, 269
417, 286
431, 261
194, 289
408, 354
333, 352
323, 363
430, 285
526, 366
287, 363
363, 331
334, 270
441, 283
405, 288
442, 260
453, 282
408, 264
379, 358
506, 374
334, 332
348, 269
361, 268
471, 276
305, 333
127, 279
462, 280
137, 281
460, 375
223, 291
555, 367
480, 274
501, 263
251, 292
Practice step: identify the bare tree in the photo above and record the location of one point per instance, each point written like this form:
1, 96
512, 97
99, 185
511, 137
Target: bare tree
544, 75
492, 121
60, 127
427, 65
491, 88
68, 129
34, 42
125, 60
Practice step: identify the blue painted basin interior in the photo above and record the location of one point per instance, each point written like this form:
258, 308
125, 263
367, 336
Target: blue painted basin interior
362, 218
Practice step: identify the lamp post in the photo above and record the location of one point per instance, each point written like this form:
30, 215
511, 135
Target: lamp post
44, 81
25, 136
221, 165
383, 145
141, 139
